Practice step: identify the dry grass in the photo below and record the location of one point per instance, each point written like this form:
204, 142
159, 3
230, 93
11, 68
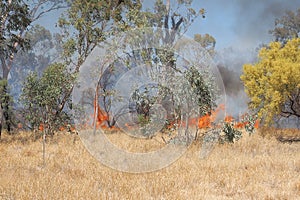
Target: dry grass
253, 168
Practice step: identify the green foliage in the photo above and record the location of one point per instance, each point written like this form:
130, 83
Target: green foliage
44, 98
38, 33
6, 103
43, 51
88, 23
175, 18
231, 134
207, 41
15, 18
203, 89
143, 120
250, 121
166, 22
273, 83
287, 27
143, 100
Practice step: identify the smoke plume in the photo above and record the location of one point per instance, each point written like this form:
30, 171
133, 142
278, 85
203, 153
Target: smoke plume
253, 19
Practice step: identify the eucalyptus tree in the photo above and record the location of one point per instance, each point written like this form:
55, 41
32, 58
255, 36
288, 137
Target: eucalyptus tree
17, 17
287, 27
86, 25
167, 22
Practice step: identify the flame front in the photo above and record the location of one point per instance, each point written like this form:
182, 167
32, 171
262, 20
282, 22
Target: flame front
101, 117
203, 122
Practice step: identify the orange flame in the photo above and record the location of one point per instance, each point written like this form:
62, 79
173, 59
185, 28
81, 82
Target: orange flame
62, 128
202, 122
101, 118
20, 126
229, 119
205, 121
256, 125
240, 124
41, 127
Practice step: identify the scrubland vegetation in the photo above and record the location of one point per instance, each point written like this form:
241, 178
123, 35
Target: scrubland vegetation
48, 83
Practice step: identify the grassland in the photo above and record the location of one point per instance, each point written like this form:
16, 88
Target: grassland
255, 167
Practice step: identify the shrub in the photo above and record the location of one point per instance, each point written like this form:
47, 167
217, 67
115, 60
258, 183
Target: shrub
47, 100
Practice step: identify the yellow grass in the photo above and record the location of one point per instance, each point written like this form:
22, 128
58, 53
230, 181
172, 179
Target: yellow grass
253, 168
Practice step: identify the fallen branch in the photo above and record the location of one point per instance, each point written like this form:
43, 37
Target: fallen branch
289, 139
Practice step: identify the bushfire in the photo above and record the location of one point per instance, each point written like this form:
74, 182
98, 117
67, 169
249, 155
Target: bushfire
203, 122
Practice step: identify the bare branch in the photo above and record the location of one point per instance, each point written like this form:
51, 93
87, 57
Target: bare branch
37, 6
292, 108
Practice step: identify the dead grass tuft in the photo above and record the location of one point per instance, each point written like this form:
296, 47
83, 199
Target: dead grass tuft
270, 132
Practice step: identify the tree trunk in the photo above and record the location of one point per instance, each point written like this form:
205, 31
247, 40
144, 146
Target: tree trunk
5, 115
4, 96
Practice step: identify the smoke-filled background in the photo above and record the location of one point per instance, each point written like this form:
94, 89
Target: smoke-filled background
240, 27
240, 23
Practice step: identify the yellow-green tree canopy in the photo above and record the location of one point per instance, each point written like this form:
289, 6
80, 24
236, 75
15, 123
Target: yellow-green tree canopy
273, 83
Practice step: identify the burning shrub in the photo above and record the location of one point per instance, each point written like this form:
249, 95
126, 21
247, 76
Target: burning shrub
231, 134
250, 122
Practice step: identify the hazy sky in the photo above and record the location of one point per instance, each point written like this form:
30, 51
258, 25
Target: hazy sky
237, 23
240, 23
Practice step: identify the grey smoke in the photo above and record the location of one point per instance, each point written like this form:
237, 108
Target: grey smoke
253, 19
231, 80
250, 22
229, 63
